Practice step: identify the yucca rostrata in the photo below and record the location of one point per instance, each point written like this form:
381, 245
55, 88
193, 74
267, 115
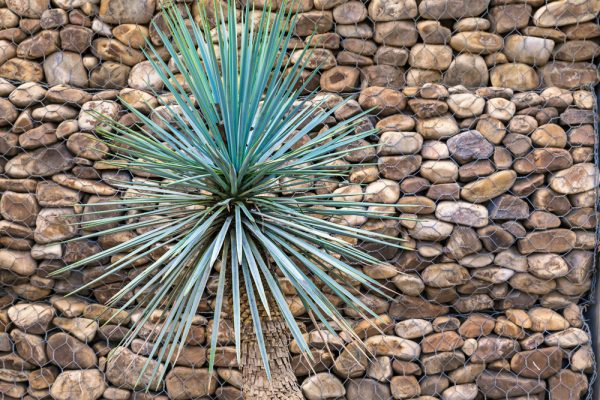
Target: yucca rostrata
234, 197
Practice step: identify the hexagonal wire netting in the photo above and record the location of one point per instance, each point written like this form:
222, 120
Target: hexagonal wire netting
488, 134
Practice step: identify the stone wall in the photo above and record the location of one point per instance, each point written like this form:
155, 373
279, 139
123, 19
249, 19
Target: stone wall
521, 44
500, 184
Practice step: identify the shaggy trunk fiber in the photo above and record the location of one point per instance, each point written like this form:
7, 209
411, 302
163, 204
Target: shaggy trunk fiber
255, 384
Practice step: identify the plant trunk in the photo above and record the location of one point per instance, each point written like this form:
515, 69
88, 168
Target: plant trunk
255, 384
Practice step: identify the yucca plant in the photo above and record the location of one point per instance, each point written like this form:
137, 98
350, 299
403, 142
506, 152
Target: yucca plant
228, 203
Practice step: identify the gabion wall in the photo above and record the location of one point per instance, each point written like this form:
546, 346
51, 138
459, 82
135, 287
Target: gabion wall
487, 132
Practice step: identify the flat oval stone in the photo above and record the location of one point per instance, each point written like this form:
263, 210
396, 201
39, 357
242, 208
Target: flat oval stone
387, 345
41, 162
489, 187
565, 12
393, 143
445, 275
462, 213
548, 241
439, 171
385, 10
451, 9
476, 42
430, 229
543, 160
569, 75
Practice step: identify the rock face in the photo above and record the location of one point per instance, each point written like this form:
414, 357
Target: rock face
485, 150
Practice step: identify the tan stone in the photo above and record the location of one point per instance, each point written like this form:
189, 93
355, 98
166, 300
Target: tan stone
528, 49
566, 12
476, 42
489, 187
516, 76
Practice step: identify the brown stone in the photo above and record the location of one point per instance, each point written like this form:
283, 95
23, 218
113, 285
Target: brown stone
381, 10
78, 385
358, 389
396, 33
519, 145
391, 56
514, 76
454, 9
70, 353
415, 307
383, 76
113, 50
31, 318
539, 363
42, 162
321, 385
55, 224
476, 42
123, 11
543, 160
443, 341
124, 370
30, 347
398, 167
29, 8
567, 385
383, 101
564, 12
19, 207
340, 79
576, 179
569, 75
582, 31
42, 44
553, 240
7, 50
530, 50
469, 70
424, 108
133, 35
87, 146
110, 75
510, 17
432, 32
430, 56
500, 385
442, 362
468, 146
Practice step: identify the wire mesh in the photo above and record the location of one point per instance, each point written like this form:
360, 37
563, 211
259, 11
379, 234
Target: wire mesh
488, 136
